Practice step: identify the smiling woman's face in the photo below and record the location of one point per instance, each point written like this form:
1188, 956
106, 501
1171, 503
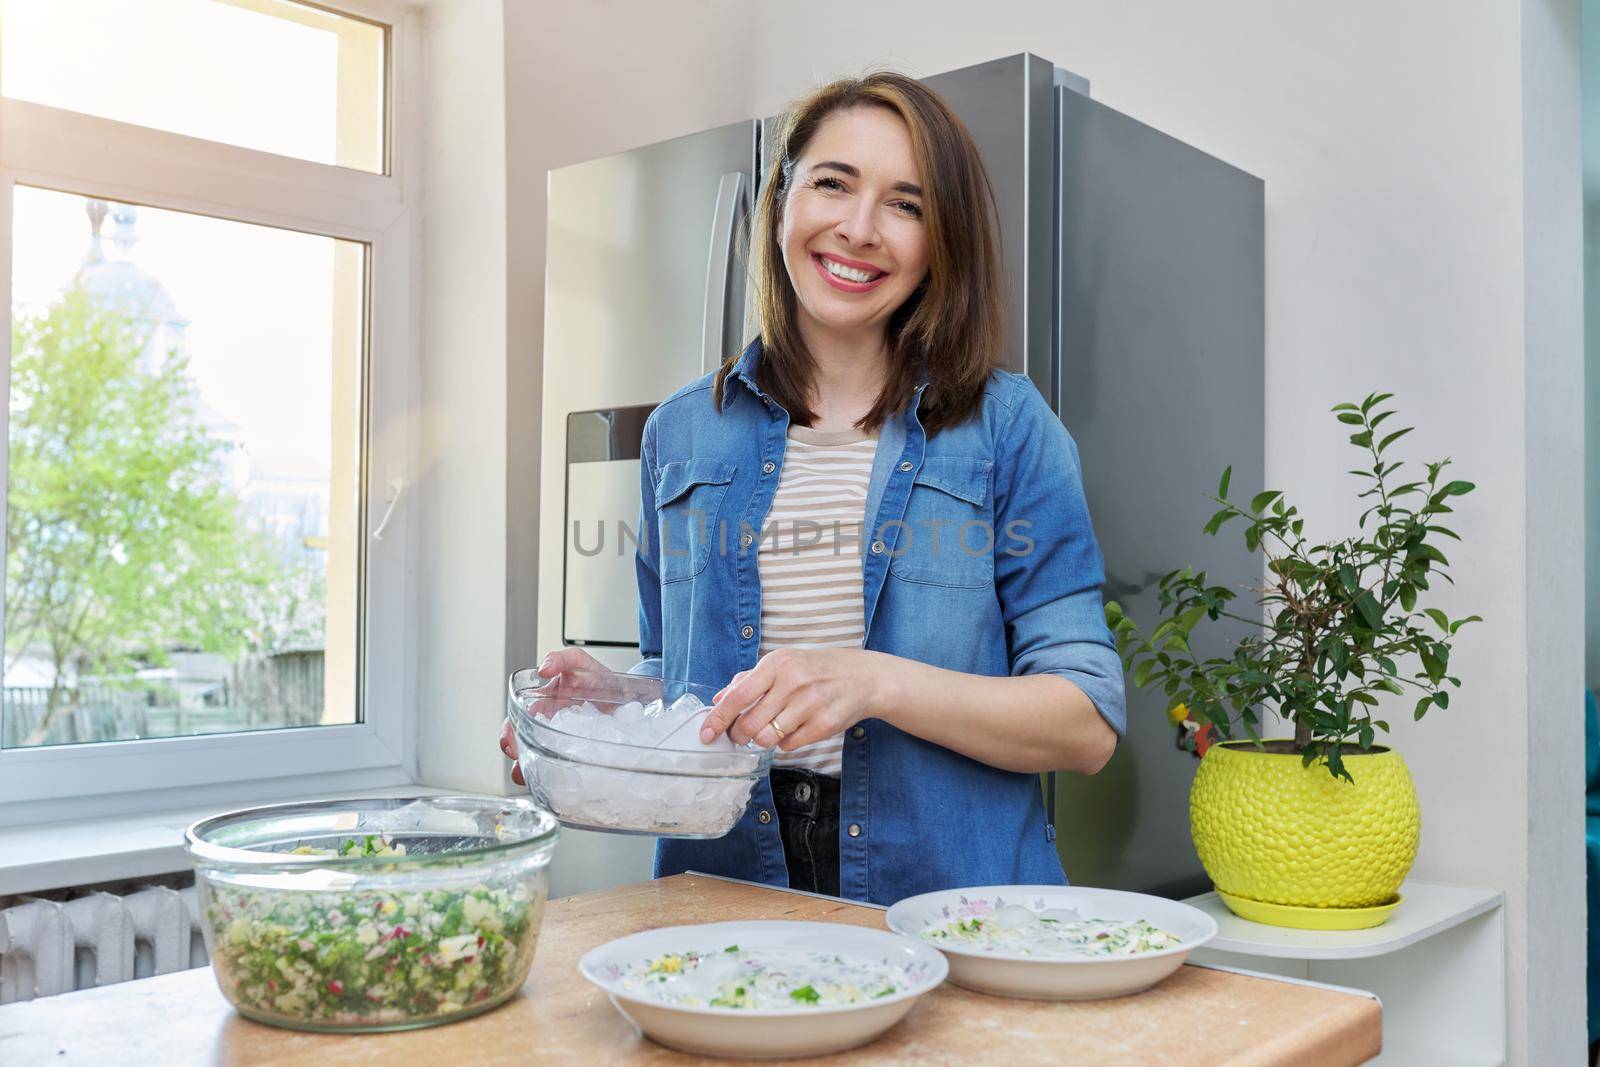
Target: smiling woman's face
852, 236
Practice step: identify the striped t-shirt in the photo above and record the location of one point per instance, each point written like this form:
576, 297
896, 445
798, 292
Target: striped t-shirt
810, 559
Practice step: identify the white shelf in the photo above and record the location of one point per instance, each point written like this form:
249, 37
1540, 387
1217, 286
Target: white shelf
1427, 908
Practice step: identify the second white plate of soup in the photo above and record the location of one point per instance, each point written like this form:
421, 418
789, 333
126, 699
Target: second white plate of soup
1054, 942
764, 990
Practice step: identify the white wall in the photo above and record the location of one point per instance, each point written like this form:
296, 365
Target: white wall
459, 492
1551, 904
582, 81
1591, 338
1421, 213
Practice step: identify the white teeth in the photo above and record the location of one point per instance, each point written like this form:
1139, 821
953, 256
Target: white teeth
849, 274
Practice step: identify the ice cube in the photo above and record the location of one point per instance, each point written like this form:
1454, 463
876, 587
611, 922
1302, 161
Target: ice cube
1012, 917
684, 706
1061, 915
686, 737
629, 714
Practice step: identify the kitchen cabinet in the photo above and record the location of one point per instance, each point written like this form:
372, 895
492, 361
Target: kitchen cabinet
1438, 965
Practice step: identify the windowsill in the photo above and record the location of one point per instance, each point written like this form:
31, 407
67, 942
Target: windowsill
82, 852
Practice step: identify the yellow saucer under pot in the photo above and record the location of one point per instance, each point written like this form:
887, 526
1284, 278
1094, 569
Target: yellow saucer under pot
1289, 845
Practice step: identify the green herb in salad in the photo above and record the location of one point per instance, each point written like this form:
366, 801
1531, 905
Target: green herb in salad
1019, 930
760, 979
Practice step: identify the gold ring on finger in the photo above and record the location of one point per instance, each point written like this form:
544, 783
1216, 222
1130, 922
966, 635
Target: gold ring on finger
780, 731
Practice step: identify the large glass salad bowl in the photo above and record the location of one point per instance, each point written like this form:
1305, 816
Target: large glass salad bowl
380, 914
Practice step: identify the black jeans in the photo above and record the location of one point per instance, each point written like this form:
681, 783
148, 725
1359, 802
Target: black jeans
808, 822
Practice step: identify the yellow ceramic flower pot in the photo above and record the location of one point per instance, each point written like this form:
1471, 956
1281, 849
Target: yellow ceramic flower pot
1321, 852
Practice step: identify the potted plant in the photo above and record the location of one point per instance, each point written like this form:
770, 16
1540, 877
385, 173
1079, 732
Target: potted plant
1318, 830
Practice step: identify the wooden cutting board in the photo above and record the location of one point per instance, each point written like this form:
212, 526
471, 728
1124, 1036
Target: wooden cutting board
1198, 1016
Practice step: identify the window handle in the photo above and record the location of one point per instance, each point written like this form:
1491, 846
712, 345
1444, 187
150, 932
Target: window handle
397, 485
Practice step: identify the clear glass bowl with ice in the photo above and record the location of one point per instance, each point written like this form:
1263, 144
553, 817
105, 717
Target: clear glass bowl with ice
622, 753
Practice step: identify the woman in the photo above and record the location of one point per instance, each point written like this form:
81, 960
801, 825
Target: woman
905, 586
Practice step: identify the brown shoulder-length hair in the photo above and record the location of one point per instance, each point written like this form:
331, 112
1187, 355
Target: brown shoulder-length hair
951, 326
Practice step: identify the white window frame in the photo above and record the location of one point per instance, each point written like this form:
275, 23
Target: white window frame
92, 156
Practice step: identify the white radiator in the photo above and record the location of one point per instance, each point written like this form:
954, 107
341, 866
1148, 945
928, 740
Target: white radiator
93, 937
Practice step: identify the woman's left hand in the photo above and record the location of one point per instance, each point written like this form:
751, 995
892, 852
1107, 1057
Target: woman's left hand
813, 694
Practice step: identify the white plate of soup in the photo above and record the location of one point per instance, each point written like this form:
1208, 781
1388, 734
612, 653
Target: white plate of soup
764, 990
1043, 942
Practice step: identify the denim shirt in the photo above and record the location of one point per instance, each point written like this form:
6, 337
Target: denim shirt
979, 557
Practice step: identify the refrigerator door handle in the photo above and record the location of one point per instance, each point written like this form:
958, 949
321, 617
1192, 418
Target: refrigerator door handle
733, 193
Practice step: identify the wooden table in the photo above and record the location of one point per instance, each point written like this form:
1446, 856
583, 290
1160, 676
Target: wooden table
1197, 1016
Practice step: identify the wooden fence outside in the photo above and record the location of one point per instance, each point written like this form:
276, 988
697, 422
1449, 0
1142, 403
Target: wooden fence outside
262, 692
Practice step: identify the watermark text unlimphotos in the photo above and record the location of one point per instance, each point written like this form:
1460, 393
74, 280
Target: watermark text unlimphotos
928, 538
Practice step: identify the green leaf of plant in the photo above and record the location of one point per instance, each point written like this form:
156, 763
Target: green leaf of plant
1347, 577
1428, 552
1459, 488
1222, 487
1392, 438
1262, 499
1352, 418
1367, 604
1216, 522
1142, 673
1408, 597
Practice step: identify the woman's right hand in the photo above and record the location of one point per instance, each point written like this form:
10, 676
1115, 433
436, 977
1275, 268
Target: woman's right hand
561, 661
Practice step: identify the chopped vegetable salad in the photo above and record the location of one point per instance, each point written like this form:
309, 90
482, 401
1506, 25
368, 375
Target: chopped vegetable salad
366, 956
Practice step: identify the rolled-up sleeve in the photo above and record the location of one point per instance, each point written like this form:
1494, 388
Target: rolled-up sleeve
1048, 566
644, 561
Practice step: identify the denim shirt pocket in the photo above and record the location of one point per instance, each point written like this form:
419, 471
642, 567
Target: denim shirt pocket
948, 536
688, 499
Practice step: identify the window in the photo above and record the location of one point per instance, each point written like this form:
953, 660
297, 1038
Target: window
207, 209
266, 74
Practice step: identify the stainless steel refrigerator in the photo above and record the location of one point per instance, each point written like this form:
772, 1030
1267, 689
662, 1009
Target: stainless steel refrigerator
1135, 302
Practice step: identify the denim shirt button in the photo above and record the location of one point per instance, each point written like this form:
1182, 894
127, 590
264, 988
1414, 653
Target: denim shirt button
859, 732
763, 817
906, 465
855, 829
745, 539
877, 547
768, 467
747, 631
